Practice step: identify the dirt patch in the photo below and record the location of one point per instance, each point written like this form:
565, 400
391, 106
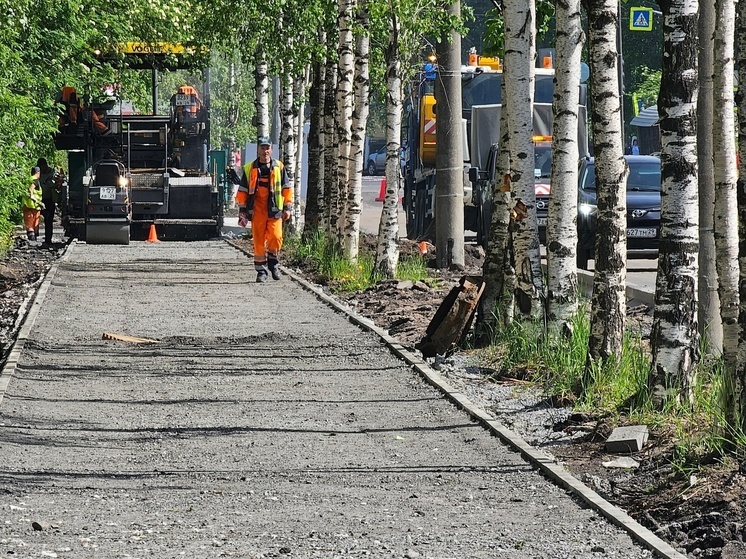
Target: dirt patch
701, 512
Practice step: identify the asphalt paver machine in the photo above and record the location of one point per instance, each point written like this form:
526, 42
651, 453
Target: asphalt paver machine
129, 172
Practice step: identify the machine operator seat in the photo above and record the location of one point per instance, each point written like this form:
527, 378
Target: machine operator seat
186, 105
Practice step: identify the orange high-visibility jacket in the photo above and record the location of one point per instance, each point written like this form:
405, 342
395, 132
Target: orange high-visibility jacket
281, 196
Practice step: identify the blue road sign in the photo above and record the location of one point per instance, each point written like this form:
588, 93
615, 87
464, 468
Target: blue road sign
640, 19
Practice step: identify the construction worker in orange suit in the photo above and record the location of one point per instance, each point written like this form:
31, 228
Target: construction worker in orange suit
266, 199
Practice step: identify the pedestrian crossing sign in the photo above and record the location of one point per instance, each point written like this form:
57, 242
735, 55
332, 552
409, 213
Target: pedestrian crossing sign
640, 19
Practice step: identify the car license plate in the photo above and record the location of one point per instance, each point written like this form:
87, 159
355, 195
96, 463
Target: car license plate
542, 221
107, 193
645, 233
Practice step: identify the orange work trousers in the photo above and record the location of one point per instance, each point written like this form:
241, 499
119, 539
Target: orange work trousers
267, 233
31, 219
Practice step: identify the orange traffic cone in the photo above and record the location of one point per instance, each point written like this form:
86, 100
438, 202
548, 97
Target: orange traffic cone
152, 235
423, 248
382, 191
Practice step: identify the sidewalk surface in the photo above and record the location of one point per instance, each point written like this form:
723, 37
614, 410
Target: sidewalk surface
262, 423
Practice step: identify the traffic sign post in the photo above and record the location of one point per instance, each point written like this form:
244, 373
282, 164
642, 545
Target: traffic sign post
640, 19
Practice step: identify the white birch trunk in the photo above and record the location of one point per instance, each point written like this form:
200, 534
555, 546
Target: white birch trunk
344, 107
496, 306
299, 95
314, 209
562, 233
387, 249
710, 325
740, 384
726, 203
331, 191
519, 40
360, 111
608, 303
287, 136
261, 103
674, 337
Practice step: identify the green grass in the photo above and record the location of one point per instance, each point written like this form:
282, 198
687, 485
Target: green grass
617, 390
341, 275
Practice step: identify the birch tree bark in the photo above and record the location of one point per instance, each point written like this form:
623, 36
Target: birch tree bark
287, 131
316, 138
496, 305
518, 75
562, 232
331, 191
345, 74
674, 336
387, 249
608, 302
726, 208
740, 378
299, 100
261, 102
708, 318
361, 104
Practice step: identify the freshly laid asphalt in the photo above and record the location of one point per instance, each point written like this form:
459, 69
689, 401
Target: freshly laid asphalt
257, 420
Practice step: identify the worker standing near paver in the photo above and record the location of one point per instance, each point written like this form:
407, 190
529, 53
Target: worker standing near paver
31, 205
266, 199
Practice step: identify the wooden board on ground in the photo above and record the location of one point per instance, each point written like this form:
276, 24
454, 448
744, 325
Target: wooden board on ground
126, 338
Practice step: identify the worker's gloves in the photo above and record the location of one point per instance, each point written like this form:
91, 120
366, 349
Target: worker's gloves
244, 217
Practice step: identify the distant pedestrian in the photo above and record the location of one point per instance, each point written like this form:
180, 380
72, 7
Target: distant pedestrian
635, 149
48, 180
31, 205
266, 199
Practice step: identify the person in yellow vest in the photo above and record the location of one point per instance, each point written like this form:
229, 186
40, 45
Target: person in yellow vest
31, 205
265, 198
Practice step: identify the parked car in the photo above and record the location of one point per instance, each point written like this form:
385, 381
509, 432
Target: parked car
376, 164
643, 208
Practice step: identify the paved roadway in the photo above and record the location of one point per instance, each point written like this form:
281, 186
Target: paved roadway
259, 423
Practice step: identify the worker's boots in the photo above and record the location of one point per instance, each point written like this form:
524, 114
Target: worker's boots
274, 269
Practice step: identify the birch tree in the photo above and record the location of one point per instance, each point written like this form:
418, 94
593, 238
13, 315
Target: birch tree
518, 76
261, 105
387, 248
316, 138
708, 318
562, 232
361, 104
300, 86
288, 138
740, 377
608, 303
344, 92
331, 190
398, 27
726, 209
497, 302
674, 336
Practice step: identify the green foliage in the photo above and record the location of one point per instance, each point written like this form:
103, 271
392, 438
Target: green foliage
647, 91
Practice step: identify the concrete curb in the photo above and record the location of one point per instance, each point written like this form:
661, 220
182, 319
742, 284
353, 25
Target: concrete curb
28, 312
547, 465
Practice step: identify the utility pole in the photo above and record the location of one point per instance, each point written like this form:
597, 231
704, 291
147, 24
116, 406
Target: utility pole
449, 159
